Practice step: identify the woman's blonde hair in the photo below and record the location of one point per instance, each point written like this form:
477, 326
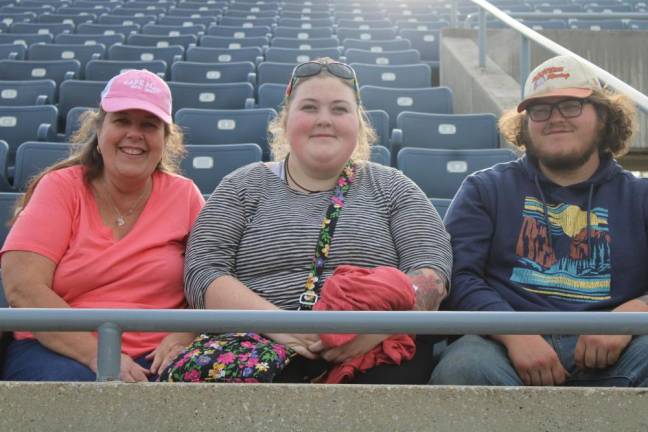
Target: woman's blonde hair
279, 144
84, 151
616, 112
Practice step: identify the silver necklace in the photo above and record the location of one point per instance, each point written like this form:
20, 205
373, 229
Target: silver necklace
121, 219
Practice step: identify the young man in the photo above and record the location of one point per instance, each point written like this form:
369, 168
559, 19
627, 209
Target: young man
564, 228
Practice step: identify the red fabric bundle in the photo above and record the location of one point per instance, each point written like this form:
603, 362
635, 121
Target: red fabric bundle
360, 289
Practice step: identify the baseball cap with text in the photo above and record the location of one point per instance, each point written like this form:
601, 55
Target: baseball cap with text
559, 76
138, 89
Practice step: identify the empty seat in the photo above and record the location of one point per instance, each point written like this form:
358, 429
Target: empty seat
379, 120
9, 18
12, 52
207, 164
290, 55
5, 186
364, 25
78, 93
212, 96
196, 72
223, 55
253, 7
108, 29
103, 70
377, 34
25, 39
403, 57
33, 157
67, 18
162, 41
272, 72
172, 30
304, 24
126, 20
358, 16
130, 11
439, 173
445, 131
396, 76
73, 121
300, 33
246, 22
41, 28
186, 21
248, 15
271, 95
232, 42
238, 32
168, 54
377, 45
29, 92
423, 25
226, 126
597, 25
57, 70
304, 44
26, 123
89, 39
312, 15
193, 13
425, 41
394, 101
441, 205
82, 53
380, 154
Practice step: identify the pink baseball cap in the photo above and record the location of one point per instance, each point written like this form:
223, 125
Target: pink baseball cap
138, 89
559, 76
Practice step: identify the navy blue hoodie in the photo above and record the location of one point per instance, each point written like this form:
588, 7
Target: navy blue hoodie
523, 243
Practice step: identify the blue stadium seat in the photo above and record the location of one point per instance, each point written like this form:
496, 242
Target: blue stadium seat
445, 131
162, 41
201, 6
211, 96
253, 7
304, 44
637, 24
381, 155
130, 11
25, 39
423, 25
171, 30
89, 39
425, 41
404, 57
207, 164
32, 157
103, 70
304, 24
371, 34
312, 15
290, 55
238, 32
231, 21
364, 25
41, 28
441, 205
272, 72
377, 45
394, 101
9, 18
67, 18
97, 9
223, 55
271, 95
27, 92
439, 173
226, 126
196, 72
26, 123
184, 21
231, 42
379, 120
597, 25
82, 53
545, 24
243, 14
300, 33
168, 54
193, 13
126, 20
107, 29
398, 76
73, 121
5, 186
365, 16
78, 93
12, 52
57, 70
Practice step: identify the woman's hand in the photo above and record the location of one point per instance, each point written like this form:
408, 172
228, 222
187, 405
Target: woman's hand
298, 342
360, 345
168, 349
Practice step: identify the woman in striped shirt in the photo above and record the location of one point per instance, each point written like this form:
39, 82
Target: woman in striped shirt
252, 246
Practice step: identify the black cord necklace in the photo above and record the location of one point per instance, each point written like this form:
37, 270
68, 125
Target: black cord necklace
293, 180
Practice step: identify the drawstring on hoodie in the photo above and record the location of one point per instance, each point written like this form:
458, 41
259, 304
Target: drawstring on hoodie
545, 212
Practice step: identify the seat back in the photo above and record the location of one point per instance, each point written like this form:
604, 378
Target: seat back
377, 45
304, 44
25, 39
425, 41
108, 29
161, 41
271, 95
5, 186
292, 55
21, 123
82, 53
73, 120
304, 34
90, 39
227, 126
12, 52
78, 93
34, 92
247, 22
210, 96
41, 28
168, 54
379, 120
207, 164
231, 42
239, 32
380, 154
103, 70
441, 205
401, 76
172, 30
33, 157
273, 72
7, 204
366, 34
196, 72
403, 57
439, 173
56, 70
223, 55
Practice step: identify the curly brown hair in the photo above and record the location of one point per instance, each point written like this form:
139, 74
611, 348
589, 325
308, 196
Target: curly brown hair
83, 151
615, 111
277, 127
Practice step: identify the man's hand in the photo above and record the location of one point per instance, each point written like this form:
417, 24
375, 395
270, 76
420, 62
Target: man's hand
599, 351
534, 359
358, 346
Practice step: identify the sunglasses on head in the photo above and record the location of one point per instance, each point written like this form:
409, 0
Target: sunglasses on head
312, 68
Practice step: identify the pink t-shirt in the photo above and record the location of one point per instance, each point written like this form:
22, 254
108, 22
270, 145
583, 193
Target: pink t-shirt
143, 270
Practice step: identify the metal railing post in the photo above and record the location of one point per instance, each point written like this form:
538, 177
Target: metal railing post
525, 62
482, 38
109, 356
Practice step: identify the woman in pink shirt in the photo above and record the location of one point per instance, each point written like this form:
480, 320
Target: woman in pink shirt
105, 228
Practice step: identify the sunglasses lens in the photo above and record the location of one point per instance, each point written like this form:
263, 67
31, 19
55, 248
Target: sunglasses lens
340, 70
307, 69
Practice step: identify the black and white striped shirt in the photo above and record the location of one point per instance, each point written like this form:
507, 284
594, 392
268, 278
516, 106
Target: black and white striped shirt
260, 231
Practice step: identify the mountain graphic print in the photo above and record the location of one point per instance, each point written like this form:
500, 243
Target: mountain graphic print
575, 273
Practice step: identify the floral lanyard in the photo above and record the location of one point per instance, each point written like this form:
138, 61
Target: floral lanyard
313, 284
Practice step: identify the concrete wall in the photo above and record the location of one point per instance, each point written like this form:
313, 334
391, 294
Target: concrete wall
246, 407
623, 54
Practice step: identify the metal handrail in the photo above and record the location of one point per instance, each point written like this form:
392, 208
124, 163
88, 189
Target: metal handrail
111, 323
640, 99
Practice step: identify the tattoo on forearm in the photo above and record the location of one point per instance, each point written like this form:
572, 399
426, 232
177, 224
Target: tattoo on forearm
430, 289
